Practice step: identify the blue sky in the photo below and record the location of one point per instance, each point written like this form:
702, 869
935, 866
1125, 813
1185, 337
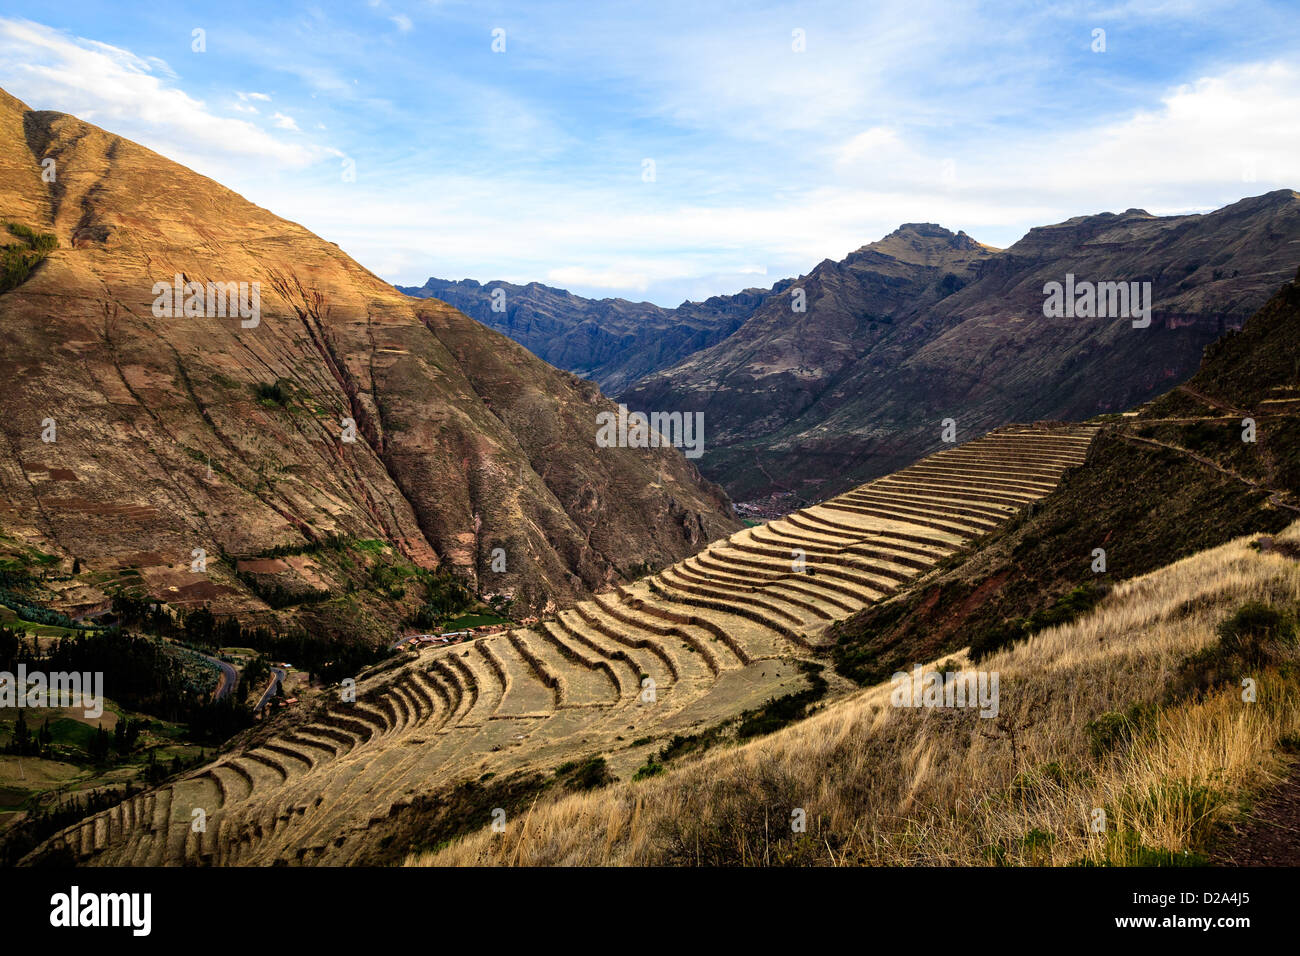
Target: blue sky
529, 163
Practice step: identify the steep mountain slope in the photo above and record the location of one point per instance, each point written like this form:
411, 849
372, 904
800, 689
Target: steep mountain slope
1115, 680
859, 384
191, 431
1160, 484
612, 342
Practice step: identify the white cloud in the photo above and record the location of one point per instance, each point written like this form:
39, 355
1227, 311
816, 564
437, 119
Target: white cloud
843, 161
877, 144
403, 22
126, 94
1183, 154
1188, 152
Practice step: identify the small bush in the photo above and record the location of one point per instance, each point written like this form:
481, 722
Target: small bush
1113, 730
1257, 632
275, 394
651, 768
1254, 636
588, 775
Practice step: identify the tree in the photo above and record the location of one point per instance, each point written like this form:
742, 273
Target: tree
22, 739
99, 747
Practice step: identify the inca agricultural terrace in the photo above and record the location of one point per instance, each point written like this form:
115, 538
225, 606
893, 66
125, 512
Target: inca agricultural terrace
684, 648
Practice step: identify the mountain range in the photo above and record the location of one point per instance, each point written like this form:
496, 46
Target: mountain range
210, 408
612, 342
921, 326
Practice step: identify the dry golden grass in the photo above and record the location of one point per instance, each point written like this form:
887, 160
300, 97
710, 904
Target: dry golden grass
881, 785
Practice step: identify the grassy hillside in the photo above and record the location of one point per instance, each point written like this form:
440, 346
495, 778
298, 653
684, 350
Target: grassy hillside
1135, 709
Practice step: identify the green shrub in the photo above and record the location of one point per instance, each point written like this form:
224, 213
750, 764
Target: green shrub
588, 775
275, 394
1256, 631
651, 768
1254, 636
1113, 730
17, 260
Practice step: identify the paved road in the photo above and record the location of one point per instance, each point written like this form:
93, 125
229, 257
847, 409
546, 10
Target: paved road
229, 678
277, 675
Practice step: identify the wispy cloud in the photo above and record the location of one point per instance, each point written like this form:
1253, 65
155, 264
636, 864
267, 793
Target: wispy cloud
132, 95
773, 149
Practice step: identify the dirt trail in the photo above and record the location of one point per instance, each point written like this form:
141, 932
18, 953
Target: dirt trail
1270, 836
1276, 498
1212, 402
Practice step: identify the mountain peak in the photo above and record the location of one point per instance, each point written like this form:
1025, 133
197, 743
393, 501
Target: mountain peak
928, 229
920, 242
1276, 199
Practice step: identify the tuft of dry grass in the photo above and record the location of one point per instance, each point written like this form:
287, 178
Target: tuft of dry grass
883, 785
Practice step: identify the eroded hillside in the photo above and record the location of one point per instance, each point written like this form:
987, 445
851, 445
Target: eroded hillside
133, 441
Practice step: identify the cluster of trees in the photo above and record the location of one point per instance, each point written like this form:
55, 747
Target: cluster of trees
444, 597
326, 659
18, 259
277, 595
138, 672
144, 675
156, 771
42, 822
25, 743
37, 615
